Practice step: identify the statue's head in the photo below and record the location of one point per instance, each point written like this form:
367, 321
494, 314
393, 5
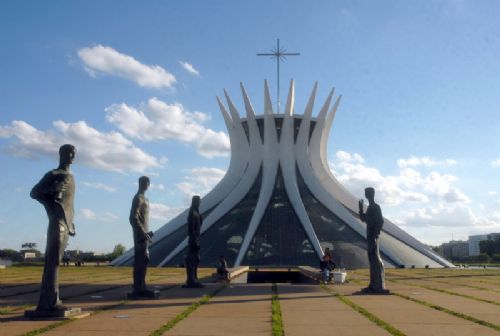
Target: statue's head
370, 193
144, 183
67, 154
195, 202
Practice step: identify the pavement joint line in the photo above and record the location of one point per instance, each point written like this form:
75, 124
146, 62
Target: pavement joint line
370, 316
443, 309
93, 313
464, 285
441, 291
186, 312
450, 293
90, 282
451, 312
277, 320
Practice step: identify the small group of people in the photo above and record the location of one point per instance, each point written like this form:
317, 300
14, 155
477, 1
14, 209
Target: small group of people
327, 266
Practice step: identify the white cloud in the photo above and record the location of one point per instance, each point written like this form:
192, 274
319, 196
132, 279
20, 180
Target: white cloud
87, 214
200, 181
91, 215
189, 68
102, 59
101, 186
158, 120
109, 217
408, 186
109, 151
495, 163
425, 161
492, 193
159, 187
163, 212
449, 215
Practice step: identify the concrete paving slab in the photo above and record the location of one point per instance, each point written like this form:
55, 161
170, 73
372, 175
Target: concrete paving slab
411, 317
237, 310
309, 310
139, 317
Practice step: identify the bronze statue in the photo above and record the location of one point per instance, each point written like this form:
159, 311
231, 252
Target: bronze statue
56, 191
139, 219
193, 254
374, 221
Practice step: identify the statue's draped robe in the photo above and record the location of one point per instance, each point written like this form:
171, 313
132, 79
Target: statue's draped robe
56, 191
139, 219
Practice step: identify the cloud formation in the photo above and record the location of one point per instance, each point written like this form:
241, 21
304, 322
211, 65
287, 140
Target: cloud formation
100, 186
409, 185
163, 212
199, 181
495, 163
106, 60
109, 151
189, 68
414, 161
158, 120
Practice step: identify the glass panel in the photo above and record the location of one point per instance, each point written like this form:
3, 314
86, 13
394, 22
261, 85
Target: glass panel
226, 235
348, 246
280, 239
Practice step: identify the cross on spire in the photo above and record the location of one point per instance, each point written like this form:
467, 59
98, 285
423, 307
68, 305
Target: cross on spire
280, 56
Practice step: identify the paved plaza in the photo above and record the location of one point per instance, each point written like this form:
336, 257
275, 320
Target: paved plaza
423, 302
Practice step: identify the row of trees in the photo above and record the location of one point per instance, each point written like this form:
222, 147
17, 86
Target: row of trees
18, 256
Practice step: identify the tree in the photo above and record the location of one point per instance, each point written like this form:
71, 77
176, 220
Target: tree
29, 246
490, 246
118, 250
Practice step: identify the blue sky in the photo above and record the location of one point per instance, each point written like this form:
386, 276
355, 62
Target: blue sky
133, 86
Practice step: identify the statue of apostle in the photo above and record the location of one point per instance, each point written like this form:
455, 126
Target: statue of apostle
56, 191
374, 221
193, 254
139, 219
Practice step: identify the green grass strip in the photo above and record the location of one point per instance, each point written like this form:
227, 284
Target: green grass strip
378, 321
276, 313
170, 324
64, 322
454, 293
451, 312
48, 328
7, 310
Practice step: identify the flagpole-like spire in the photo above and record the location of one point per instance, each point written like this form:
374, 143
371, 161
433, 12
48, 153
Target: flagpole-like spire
280, 56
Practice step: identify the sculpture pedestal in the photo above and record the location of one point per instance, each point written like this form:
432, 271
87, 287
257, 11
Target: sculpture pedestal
193, 285
146, 295
63, 313
370, 291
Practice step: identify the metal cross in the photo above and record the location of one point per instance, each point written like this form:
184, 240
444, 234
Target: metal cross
279, 55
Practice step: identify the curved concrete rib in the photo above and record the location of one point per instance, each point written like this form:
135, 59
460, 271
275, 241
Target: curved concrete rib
287, 163
319, 164
270, 168
316, 187
241, 189
240, 152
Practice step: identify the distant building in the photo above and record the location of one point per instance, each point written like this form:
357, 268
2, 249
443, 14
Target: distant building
474, 244
455, 249
29, 255
474, 241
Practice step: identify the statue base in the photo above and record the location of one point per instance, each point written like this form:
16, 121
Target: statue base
56, 313
193, 285
372, 291
145, 295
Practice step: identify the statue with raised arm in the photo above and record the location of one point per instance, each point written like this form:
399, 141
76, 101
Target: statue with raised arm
139, 219
56, 192
193, 254
374, 221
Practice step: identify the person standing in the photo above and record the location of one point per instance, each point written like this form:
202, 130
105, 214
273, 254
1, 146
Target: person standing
374, 221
